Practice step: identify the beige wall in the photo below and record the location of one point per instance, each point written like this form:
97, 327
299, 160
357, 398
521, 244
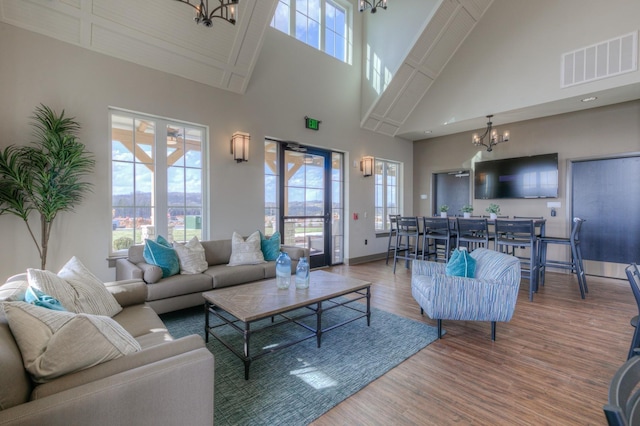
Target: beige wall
594, 133
290, 81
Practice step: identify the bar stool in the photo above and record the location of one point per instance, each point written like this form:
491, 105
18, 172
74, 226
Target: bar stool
436, 234
473, 232
519, 233
407, 240
393, 231
575, 265
633, 275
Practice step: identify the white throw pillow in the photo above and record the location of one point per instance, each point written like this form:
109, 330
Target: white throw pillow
54, 343
77, 289
191, 257
246, 252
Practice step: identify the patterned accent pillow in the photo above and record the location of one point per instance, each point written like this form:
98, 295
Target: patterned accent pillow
191, 257
55, 343
246, 252
160, 253
270, 246
77, 289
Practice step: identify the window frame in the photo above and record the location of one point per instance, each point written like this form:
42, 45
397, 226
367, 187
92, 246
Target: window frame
383, 186
342, 5
160, 207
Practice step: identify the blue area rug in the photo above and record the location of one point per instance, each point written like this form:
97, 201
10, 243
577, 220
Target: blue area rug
298, 384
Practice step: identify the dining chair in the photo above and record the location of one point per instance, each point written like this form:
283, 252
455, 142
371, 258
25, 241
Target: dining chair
633, 275
473, 232
393, 231
623, 405
436, 238
407, 240
575, 264
516, 234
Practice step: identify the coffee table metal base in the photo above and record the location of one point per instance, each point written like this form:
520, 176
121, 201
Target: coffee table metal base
316, 309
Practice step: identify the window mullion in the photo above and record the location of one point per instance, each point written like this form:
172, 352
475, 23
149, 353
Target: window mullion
161, 196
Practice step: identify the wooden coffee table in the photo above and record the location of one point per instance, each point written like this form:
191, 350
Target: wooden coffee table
252, 302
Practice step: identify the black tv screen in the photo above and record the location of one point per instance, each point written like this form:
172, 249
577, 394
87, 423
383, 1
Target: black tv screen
523, 177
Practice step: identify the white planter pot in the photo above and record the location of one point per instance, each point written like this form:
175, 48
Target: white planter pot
443, 214
466, 215
493, 215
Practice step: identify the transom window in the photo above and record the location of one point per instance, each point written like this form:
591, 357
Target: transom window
318, 23
387, 199
157, 179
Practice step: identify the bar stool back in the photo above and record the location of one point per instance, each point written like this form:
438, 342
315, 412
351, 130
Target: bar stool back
575, 265
407, 240
393, 231
520, 234
436, 238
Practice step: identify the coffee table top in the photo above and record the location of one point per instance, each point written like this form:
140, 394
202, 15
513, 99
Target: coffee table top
262, 299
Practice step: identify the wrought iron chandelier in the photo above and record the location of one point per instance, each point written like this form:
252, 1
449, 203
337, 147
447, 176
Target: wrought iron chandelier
373, 5
226, 11
494, 139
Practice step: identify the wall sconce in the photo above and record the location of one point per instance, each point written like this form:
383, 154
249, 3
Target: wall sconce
366, 166
240, 146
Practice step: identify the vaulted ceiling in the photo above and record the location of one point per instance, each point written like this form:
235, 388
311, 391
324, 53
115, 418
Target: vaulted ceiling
152, 33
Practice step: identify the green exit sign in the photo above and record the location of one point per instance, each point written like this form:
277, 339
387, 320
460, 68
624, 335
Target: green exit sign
311, 123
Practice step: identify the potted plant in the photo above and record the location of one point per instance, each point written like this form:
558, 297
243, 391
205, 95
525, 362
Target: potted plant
493, 210
46, 177
443, 210
467, 209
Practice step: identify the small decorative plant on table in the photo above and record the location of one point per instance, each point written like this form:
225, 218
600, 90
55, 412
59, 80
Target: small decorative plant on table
443, 210
467, 210
493, 210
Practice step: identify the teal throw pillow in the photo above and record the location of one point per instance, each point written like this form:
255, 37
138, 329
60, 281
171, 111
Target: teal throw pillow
159, 254
270, 246
36, 297
461, 264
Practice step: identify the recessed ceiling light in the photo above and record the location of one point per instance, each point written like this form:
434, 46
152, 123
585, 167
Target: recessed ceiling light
589, 99
427, 132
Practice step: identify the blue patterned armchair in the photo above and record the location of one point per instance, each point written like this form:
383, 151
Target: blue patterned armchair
490, 296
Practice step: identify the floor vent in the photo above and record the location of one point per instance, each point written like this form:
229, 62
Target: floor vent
606, 59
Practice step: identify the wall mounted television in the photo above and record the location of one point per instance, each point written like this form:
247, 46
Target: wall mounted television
535, 176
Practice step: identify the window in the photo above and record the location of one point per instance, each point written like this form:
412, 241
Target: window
387, 184
319, 23
157, 179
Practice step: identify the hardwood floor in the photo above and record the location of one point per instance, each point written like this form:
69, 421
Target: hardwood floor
551, 364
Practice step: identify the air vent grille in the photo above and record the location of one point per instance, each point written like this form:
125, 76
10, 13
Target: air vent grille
606, 59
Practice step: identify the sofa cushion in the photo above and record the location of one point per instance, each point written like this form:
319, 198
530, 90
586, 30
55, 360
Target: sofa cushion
14, 291
164, 256
246, 252
15, 385
270, 246
140, 320
191, 257
76, 288
217, 252
179, 285
225, 276
54, 343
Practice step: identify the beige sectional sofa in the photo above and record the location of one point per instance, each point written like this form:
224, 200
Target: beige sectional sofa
167, 382
183, 291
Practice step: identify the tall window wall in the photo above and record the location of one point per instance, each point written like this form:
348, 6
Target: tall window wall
386, 198
323, 24
157, 179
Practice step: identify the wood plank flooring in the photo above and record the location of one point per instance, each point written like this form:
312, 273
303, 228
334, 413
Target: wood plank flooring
551, 365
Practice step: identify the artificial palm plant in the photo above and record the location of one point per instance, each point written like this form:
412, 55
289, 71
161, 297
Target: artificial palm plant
47, 176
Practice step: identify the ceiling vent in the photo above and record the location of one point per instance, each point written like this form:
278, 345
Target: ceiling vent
606, 59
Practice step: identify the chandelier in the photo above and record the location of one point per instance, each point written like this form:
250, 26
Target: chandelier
494, 139
226, 11
373, 5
